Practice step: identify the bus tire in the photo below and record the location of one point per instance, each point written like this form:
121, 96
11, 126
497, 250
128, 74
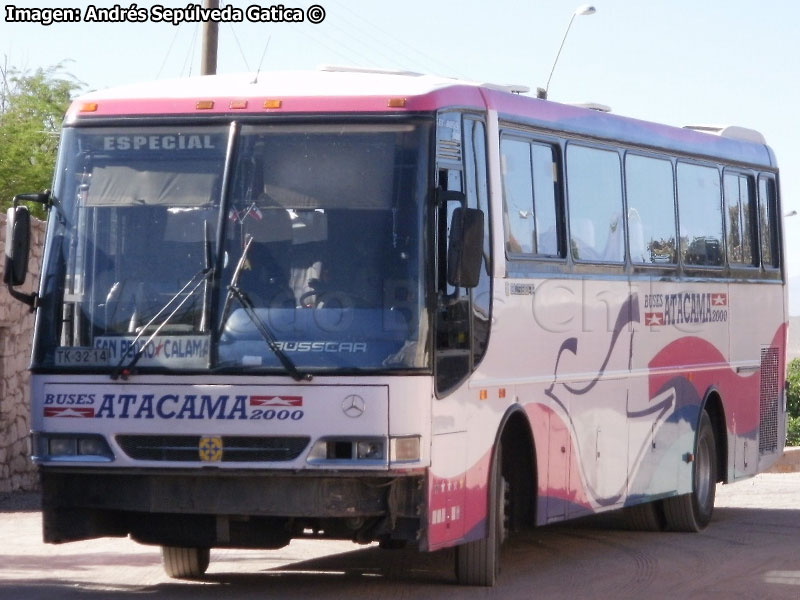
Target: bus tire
692, 512
478, 562
644, 517
185, 563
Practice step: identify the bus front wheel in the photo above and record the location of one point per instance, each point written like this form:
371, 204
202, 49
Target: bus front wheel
478, 562
692, 512
185, 563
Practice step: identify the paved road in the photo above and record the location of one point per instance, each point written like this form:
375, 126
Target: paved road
751, 550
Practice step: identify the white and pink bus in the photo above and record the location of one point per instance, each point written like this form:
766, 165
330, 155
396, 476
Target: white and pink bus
389, 307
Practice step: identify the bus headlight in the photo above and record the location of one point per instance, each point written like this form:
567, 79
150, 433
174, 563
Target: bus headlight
73, 447
364, 451
62, 446
352, 450
92, 446
370, 450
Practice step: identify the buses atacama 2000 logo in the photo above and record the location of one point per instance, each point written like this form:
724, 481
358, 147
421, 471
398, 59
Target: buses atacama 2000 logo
174, 406
685, 307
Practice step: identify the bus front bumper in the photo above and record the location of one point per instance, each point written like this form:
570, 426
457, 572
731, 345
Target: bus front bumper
230, 508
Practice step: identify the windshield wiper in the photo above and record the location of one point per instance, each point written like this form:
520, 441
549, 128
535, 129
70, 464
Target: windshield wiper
124, 370
201, 277
234, 291
205, 325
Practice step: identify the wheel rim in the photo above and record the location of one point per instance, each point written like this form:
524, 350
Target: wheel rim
503, 512
703, 473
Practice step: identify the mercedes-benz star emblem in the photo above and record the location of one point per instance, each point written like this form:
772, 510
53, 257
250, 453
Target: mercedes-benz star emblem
353, 406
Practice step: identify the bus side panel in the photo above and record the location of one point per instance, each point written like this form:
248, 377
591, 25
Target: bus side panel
566, 346
755, 414
447, 489
560, 491
590, 371
684, 352
464, 432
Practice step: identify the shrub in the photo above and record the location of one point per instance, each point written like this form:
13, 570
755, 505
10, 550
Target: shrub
793, 402
793, 435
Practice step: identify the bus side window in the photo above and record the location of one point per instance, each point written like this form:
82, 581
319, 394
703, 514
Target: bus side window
738, 191
651, 209
478, 197
767, 221
453, 355
463, 314
700, 215
530, 197
515, 161
594, 187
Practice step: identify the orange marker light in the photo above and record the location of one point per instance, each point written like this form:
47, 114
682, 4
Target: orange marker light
89, 107
238, 104
501, 393
273, 103
484, 394
398, 102
204, 104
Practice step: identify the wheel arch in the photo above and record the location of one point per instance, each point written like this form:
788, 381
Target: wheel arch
712, 404
519, 467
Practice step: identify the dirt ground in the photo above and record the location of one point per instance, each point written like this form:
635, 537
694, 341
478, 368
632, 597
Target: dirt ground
749, 551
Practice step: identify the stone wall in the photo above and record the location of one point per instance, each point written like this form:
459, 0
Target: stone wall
16, 329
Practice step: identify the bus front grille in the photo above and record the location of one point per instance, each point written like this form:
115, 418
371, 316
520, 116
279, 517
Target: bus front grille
188, 448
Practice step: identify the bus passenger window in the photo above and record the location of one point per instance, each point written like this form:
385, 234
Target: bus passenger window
595, 204
651, 210
530, 197
545, 194
738, 218
767, 219
518, 197
700, 215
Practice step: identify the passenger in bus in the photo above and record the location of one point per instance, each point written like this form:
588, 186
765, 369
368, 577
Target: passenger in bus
265, 275
140, 277
639, 253
614, 250
309, 234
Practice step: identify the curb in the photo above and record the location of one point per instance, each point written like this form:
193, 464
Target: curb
789, 462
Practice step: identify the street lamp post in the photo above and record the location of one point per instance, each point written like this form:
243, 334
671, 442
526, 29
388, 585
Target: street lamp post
583, 10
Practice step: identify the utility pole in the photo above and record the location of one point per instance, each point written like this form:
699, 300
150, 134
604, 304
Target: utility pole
210, 42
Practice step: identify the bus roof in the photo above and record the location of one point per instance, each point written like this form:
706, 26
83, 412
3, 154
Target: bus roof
355, 90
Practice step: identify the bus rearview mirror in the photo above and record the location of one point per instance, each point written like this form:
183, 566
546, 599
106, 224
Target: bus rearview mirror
18, 234
465, 247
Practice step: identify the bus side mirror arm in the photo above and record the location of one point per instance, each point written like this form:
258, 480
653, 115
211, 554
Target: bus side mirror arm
44, 197
32, 299
17, 250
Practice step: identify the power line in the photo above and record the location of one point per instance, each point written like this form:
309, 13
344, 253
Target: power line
354, 57
190, 56
238, 45
405, 45
169, 50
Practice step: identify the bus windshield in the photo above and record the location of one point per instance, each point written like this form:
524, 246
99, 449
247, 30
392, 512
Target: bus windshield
175, 248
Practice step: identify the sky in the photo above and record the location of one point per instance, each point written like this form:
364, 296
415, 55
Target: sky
680, 62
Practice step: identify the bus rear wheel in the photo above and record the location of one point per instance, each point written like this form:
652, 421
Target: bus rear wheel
478, 562
185, 563
644, 517
692, 512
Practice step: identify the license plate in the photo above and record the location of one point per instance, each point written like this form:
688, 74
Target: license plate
76, 355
